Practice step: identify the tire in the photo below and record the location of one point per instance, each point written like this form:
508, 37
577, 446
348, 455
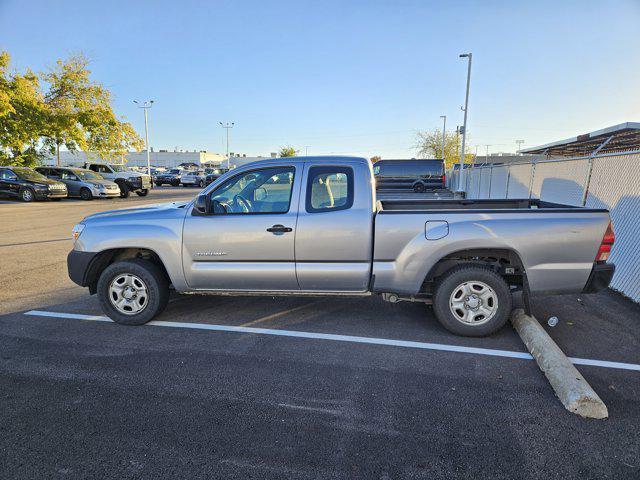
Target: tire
124, 190
142, 193
201, 184
27, 195
418, 188
175, 184
158, 184
486, 313
85, 194
149, 275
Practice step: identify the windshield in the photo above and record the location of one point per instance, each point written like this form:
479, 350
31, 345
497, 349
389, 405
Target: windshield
88, 175
174, 171
28, 174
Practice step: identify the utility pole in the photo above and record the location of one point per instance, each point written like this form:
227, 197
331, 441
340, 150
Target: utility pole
464, 127
306, 150
519, 143
227, 126
444, 135
146, 106
486, 158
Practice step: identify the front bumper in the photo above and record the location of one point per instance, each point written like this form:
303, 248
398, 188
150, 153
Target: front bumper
600, 277
139, 183
47, 194
78, 265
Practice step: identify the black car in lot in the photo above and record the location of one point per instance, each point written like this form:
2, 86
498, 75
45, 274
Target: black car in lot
171, 177
415, 174
29, 185
213, 174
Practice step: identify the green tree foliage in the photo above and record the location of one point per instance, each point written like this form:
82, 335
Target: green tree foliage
288, 151
375, 159
71, 110
429, 145
21, 115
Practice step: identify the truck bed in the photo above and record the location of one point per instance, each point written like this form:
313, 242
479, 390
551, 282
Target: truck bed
479, 206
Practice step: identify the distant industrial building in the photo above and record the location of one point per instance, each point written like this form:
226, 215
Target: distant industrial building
162, 158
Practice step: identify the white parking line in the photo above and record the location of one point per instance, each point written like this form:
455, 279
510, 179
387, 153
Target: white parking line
343, 338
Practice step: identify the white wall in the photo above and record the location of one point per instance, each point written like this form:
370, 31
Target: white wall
139, 159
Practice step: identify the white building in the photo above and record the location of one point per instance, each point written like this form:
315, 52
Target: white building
237, 160
162, 158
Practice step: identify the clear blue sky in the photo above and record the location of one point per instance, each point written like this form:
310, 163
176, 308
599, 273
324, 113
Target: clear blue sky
347, 77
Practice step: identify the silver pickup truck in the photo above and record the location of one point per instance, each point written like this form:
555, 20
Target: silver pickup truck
312, 226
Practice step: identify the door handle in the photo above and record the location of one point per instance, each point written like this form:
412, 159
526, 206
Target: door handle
279, 229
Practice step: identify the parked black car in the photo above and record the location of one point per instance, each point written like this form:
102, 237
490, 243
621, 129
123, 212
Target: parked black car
213, 174
29, 185
171, 177
418, 175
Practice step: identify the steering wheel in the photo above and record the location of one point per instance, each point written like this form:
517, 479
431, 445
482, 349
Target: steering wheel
244, 204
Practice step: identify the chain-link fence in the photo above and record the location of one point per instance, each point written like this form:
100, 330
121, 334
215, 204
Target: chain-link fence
610, 181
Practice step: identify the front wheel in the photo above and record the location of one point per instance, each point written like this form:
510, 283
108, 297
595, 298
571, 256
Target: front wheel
418, 188
85, 194
27, 195
132, 292
124, 190
142, 193
472, 300
201, 184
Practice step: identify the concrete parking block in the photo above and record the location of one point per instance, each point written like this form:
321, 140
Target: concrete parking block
570, 386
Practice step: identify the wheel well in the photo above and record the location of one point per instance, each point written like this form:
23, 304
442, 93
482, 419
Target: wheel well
505, 263
105, 258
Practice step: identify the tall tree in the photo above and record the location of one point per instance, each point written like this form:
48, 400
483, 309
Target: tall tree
79, 113
429, 145
71, 111
21, 115
287, 151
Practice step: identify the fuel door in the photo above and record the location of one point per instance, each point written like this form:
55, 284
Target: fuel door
436, 229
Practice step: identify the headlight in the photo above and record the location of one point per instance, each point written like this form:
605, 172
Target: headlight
77, 230
100, 186
41, 187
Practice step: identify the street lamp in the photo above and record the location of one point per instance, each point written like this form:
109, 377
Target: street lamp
227, 126
444, 129
519, 143
464, 127
146, 106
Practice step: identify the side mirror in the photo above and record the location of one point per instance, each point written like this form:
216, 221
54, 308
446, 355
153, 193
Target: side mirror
203, 204
259, 194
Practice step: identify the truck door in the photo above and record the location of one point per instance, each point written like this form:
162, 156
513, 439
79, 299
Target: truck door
334, 240
247, 244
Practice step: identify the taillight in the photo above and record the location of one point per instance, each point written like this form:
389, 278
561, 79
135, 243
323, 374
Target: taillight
444, 179
605, 247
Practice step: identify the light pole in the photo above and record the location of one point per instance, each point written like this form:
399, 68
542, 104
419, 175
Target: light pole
519, 143
306, 150
227, 126
444, 137
146, 106
464, 127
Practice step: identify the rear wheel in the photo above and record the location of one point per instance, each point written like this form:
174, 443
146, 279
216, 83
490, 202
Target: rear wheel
85, 194
418, 188
201, 184
27, 195
472, 300
132, 292
142, 193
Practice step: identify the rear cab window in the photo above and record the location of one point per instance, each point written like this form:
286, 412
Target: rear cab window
329, 189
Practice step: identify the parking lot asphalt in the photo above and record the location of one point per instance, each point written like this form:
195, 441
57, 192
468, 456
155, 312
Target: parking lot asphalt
81, 398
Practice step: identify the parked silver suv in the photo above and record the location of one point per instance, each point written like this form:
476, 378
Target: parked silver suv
82, 183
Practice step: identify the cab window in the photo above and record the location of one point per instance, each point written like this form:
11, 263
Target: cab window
329, 189
266, 190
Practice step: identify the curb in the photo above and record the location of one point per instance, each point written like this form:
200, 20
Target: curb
570, 386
